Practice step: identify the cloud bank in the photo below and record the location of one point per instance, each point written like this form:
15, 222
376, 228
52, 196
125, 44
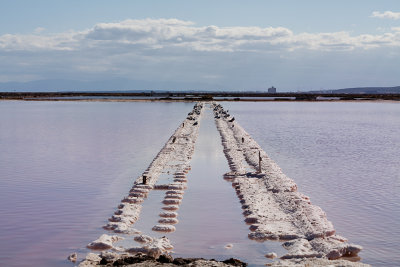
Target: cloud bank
386, 15
173, 34
162, 50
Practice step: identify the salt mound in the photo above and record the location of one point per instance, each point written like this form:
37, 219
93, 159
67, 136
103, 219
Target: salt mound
172, 201
180, 192
104, 242
168, 221
154, 249
164, 228
170, 207
143, 239
173, 196
168, 214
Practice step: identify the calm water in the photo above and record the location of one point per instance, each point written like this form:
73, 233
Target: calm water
346, 157
64, 167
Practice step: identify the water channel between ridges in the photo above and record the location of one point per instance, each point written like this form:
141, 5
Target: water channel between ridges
210, 216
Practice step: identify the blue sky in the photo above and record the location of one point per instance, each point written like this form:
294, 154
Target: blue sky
294, 45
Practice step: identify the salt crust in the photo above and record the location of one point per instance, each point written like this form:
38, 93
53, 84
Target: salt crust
166, 228
168, 221
104, 242
270, 201
172, 201
143, 239
171, 207
153, 249
179, 148
168, 214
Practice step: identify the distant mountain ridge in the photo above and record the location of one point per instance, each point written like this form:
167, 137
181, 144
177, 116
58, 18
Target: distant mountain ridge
123, 85
57, 85
362, 90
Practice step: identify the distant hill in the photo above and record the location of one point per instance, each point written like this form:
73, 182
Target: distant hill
363, 90
113, 85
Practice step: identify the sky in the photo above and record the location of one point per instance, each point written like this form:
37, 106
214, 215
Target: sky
238, 45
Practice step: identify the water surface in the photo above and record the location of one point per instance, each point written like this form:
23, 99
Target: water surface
346, 157
64, 167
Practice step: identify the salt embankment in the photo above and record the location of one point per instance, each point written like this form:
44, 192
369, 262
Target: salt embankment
174, 159
271, 204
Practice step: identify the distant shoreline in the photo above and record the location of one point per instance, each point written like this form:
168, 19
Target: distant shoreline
191, 97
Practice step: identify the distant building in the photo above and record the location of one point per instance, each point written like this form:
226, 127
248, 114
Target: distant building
272, 90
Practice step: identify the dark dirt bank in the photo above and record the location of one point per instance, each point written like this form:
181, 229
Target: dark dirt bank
113, 259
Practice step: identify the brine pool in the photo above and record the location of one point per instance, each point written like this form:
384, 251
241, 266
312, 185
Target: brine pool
65, 166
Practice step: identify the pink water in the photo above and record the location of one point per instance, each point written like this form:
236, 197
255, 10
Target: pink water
65, 166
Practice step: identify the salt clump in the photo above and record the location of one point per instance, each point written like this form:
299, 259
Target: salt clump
143, 239
154, 249
168, 221
168, 214
104, 242
166, 228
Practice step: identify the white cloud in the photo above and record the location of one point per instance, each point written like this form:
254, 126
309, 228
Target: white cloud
386, 15
177, 35
171, 49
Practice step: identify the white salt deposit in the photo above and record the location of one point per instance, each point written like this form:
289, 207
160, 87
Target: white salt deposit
153, 249
143, 239
168, 221
168, 214
271, 203
172, 201
171, 207
271, 255
104, 242
175, 155
166, 228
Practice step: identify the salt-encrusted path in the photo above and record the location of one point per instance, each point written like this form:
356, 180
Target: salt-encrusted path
271, 204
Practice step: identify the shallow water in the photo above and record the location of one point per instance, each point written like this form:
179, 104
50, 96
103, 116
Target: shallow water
64, 167
210, 216
346, 157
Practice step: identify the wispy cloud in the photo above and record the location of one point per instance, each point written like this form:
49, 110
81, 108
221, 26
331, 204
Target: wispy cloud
386, 15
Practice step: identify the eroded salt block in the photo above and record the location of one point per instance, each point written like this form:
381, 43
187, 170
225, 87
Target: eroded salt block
73, 257
172, 201
139, 190
173, 196
168, 214
180, 192
271, 255
229, 246
179, 186
170, 207
144, 186
180, 180
139, 195
161, 187
132, 200
166, 228
104, 242
154, 249
143, 239
168, 221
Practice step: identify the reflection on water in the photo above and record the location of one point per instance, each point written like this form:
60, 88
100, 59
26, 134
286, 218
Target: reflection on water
346, 157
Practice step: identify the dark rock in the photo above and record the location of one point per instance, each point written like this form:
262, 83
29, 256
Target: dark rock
235, 262
165, 259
